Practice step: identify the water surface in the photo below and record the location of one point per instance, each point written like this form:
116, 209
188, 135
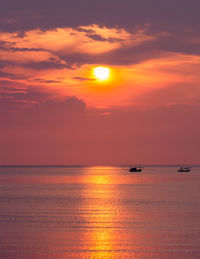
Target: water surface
99, 212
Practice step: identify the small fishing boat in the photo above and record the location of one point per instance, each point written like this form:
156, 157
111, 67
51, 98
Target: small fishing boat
135, 169
184, 169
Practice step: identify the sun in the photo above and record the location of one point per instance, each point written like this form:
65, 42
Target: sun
102, 73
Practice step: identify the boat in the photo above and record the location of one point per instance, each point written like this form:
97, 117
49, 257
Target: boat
135, 169
184, 169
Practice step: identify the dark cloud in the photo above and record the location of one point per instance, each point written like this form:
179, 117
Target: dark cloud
19, 96
77, 58
179, 43
97, 37
11, 75
91, 33
9, 47
42, 81
84, 78
49, 64
172, 14
4, 82
130, 55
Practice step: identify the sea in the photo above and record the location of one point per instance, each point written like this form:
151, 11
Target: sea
59, 212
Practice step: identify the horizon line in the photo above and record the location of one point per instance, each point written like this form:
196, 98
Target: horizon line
92, 165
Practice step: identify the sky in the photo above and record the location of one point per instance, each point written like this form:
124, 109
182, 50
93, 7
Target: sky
53, 110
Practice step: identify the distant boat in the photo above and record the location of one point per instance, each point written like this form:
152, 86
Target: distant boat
184, 169
135, 169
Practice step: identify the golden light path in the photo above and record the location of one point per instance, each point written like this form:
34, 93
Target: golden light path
102, 73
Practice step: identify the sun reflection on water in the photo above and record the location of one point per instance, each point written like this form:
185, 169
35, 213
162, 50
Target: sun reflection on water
99, 201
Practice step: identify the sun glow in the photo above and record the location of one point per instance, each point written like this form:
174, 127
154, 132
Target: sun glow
102, 73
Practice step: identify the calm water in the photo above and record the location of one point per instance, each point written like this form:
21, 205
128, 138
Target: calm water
99, 212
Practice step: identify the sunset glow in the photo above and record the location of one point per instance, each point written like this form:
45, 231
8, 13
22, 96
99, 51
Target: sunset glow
70, 74
102, 73
91, 91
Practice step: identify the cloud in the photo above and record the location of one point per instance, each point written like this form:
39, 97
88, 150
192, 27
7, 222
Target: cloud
50, 64
83, 78
20, 97
142, 61
171, 15
12, 75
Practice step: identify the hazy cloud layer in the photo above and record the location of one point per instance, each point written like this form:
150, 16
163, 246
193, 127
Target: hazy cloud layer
64, 133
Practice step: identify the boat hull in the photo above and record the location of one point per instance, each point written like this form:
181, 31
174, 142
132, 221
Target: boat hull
135, 170
184, 171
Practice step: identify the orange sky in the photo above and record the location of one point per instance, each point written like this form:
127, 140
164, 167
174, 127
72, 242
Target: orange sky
49, 94
39, 60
